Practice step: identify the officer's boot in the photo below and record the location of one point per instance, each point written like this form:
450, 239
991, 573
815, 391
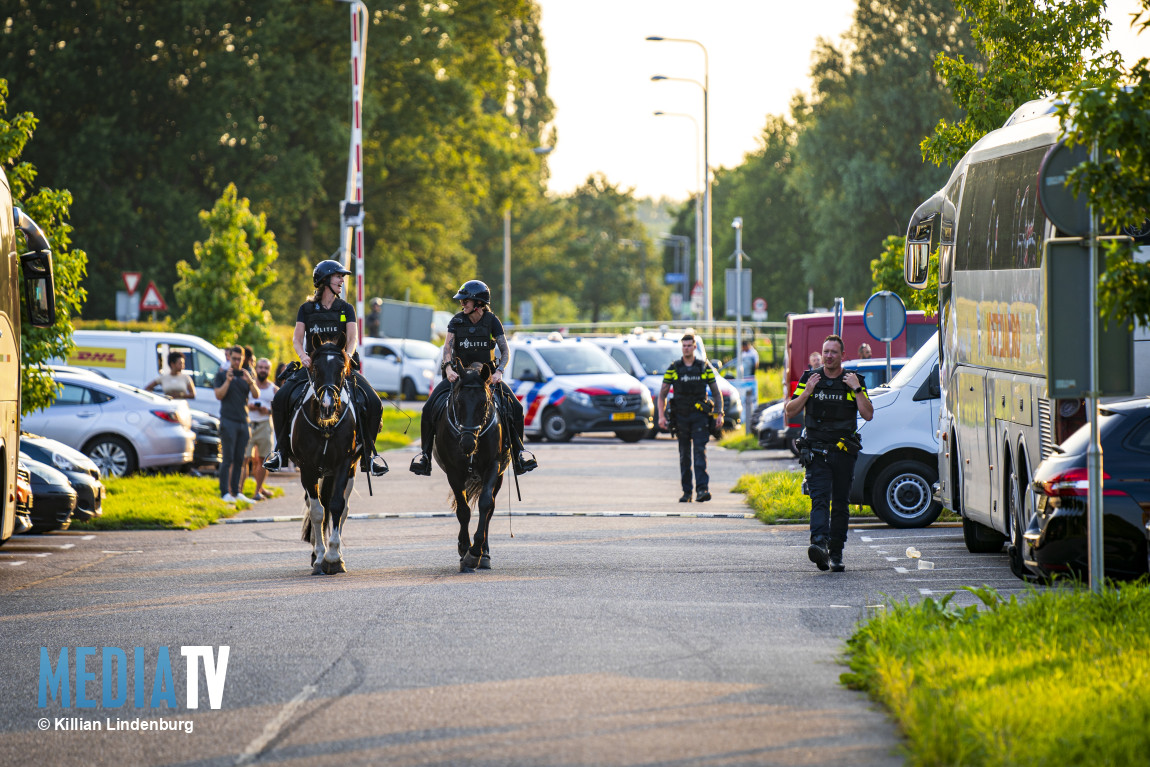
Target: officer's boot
836, 558
522, 459
421, 464
278, 459
817, 553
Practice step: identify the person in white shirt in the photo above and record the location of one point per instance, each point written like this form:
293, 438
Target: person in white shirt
750, 359
259, 416
175, 383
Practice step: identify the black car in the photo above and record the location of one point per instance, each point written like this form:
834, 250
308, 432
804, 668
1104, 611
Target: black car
206, 455
23, 499
81, 471
1055, 542
53, 499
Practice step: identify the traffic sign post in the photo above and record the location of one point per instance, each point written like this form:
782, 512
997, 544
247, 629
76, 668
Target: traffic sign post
152, 301
884, 317
759, 310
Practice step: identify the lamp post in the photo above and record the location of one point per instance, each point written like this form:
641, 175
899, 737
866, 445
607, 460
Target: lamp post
708, 308
698, 195
539, 152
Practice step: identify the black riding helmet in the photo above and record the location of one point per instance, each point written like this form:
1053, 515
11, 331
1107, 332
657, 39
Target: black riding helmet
325, 269
475, 290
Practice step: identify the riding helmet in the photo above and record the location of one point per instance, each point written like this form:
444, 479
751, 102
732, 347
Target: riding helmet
475, 290
325, 269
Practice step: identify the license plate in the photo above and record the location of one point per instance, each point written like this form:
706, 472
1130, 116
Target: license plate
622, 416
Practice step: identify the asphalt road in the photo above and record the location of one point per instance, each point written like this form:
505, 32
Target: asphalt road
605, 634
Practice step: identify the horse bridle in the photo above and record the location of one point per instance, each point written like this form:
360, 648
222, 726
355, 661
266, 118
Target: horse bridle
317, 393
485, 423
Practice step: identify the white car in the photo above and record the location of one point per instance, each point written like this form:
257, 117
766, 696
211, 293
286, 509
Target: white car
121, 428
402, 366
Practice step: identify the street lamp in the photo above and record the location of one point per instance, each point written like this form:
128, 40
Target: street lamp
539, 152
708, 309
698, 194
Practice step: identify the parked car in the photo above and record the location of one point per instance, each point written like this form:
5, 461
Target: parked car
118, 426
1055, 541
572, 386
206, 454
772, 429
401, 366
81, 471
53, 499
137, 358
23, 498
873, 371
647, 358
898, 466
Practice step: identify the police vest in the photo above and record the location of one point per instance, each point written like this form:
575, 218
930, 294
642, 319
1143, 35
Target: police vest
689, 382
831, 411
330, 325
475, 342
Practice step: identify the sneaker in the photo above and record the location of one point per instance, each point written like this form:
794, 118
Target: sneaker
819, 556
228, 498
421, 465
837, 565
685, 497
244, 498
703, 496
275, 462
378, 466
526, 463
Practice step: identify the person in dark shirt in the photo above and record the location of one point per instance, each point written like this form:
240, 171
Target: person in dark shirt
233, 385
326, 317
690, 377
472, 336
833, 401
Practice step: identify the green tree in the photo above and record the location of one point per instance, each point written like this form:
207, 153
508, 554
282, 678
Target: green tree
887, 274
1026, 50
50, 209
221, 293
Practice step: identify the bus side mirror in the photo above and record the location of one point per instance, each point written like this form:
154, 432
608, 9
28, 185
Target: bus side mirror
39, 288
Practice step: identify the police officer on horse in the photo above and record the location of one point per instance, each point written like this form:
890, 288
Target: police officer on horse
472, 336
326, 317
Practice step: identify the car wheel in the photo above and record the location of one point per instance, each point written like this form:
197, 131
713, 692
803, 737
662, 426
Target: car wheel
555, 426
980, 539
113, 455
409, 391
630, 436
902, 495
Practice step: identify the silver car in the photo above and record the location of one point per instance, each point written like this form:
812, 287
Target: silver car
121, 428
402, 366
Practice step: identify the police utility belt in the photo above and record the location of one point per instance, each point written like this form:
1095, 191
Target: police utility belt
851, 444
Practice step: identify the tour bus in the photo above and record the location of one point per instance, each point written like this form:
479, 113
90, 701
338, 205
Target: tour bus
996, 422
40, 303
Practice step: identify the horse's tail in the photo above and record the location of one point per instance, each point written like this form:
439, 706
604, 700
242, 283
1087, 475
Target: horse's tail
471, 490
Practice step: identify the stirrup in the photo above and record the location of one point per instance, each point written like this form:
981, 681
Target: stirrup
523, 466
421, 465
275, 462
376, 466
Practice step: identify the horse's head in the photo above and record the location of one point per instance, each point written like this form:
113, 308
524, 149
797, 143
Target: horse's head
330, 367
471, 404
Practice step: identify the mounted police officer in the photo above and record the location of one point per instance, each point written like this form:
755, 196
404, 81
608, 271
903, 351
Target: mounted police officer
832, 401
690, 377
472, 336
326, 318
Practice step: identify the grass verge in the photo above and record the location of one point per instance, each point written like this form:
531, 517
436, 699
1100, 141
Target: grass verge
1057, 678
396, 430
164, 502
736, 440
778, 495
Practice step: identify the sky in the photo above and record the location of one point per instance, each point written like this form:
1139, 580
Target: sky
600, 68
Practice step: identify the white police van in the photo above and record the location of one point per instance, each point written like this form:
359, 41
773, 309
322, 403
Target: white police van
570, 386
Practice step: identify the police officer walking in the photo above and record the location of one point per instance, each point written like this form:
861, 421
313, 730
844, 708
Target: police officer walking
832, 400
690, 378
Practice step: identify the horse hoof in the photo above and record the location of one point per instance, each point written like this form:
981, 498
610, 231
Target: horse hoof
317, 569
331, 568
485, 562
463, 568
463, 547
469, 561
313, 558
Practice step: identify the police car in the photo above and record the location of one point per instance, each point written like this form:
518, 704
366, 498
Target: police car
648, 358
569, 386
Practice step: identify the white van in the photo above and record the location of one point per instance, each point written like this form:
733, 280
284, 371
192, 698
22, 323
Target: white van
137, 358
898, 466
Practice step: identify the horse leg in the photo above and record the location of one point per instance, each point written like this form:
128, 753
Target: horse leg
463, 514
313, 520
476, 552
485, 557
337, 512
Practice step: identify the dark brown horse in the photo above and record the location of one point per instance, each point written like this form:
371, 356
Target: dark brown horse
469, 448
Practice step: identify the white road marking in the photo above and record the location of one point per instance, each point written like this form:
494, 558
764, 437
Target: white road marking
272, 728
87, 537
892, 559
25, 554
901, 570
14, 564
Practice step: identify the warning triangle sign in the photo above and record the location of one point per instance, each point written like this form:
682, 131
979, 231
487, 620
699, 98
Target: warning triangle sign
152, 301
131, 280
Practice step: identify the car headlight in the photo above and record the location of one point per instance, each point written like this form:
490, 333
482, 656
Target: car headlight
427, 374
580, 398
645, 395
62, 463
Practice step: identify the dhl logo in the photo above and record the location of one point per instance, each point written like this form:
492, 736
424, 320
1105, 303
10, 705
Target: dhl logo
96, 357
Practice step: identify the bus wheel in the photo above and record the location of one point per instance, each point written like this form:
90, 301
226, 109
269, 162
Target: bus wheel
980, 539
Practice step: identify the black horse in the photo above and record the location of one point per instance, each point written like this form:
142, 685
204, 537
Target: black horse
469, 448
325, 447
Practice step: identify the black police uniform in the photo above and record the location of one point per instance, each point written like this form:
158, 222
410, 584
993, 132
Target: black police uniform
473, 342
330, 326
831, 415
692, 411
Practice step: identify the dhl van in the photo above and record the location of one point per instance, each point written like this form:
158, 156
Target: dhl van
136, 358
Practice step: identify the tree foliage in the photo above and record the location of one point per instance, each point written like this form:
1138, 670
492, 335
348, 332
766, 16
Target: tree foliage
1027, 50
50, 209
221, 293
